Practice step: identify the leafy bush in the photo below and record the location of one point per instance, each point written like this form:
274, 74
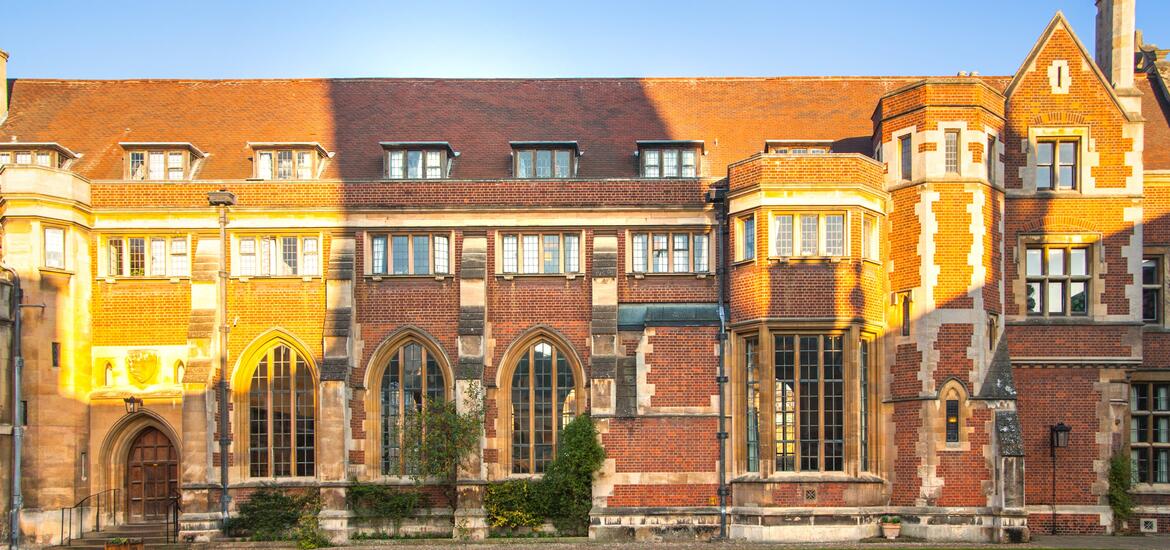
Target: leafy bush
383, 501
513, 504
567, 488
894, 520
1120, 478
309, 534
273, 514
447, 439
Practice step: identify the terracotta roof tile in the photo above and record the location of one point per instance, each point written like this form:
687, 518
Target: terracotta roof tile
478, 117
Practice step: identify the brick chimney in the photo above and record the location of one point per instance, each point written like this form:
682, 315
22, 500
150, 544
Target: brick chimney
1115, 41
3, 85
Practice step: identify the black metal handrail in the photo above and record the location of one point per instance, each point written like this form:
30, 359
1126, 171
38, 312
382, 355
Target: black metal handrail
96, 499
172, 519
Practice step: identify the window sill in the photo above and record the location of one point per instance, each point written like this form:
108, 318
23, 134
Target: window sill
744, 261
808, 477
1150, 488
808, 259
387, 276
512, 276
662, 274
247, 278
56, 270
112, 280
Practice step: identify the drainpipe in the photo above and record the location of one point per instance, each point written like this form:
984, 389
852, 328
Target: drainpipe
717, 197
223, 199
17, 501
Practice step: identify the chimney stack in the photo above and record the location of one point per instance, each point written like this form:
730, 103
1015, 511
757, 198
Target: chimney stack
3, 85
1116, 20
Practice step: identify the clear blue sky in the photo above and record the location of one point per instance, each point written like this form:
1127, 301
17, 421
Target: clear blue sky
340, 38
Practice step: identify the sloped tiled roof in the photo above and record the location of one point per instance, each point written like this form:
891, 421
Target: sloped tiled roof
733, 116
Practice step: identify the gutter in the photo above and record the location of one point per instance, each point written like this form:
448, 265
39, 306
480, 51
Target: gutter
17, 500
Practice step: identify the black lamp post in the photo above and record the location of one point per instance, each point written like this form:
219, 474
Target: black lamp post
132, 404
222, 200
1057, 438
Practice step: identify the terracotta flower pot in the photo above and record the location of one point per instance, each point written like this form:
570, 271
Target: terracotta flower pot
891, 530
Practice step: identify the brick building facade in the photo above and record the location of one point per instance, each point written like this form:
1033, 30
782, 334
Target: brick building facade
835, 298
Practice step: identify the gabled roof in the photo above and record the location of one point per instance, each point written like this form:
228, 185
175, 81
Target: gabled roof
352, 117
1059, 21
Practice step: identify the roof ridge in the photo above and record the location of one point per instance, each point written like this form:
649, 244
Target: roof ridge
480, 79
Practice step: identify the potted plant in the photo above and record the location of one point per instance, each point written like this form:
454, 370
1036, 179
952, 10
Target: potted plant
123, 543
891, 526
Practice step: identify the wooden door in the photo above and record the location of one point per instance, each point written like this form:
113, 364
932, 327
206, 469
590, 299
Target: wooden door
152, 476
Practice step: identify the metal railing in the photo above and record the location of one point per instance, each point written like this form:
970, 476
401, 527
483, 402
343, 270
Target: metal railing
172, 527
78, 511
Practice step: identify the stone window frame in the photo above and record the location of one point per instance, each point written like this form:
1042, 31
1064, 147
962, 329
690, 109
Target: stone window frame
540, 234
65, 259
1162, 253
241, 380
852, 335
670, 232
104, 256
1093, 241
738, 227
503, 393
259, 235
821, 254
953, 390
1148, 379
1087, 159
186, 164
368, 253
375, 370
316, 154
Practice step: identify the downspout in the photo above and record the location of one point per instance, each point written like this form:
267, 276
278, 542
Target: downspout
717, 197
224, 438
17, 501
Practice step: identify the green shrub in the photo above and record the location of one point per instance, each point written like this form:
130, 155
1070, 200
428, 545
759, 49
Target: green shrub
446, 439
383, 501
274, 514
309, 534
513, 504
1120, 478
566, 492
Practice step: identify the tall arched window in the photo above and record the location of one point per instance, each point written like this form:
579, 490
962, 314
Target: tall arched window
411, 373
281, 415
544, 395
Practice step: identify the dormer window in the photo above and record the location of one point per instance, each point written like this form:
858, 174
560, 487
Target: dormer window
160, 161
669, 158
418, 159
544, 159
288, 161
48, 155
798, 146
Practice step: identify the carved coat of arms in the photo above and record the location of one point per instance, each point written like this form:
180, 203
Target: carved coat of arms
142, 365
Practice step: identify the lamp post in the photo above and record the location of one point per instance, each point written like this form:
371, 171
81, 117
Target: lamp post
1057, 438
221, 200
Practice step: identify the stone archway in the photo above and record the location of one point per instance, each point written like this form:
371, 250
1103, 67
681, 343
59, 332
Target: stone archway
128, 442
152, 476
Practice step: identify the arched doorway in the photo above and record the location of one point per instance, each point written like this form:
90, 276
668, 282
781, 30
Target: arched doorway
152, 476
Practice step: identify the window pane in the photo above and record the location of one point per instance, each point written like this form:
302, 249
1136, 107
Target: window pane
137, 257
640, 245
660, 253
1078, 297
562, 165
531, 254
650, 160
572, 253
542, 406
783, 235
1161, 398
422, 254
834, 403
400, 252
1056, 261
1068, 152
55, 247
442, 254
835, 235
284, 165
1034, 261
248, 256
810, 428
524, 164
552, 254
288, 256
1067, 177
701, 262
907, 157
688, 163
304, 165
175, 166
5, 158
785, 403
1150, 270
434, 164
952, 152
1044, 152
521, 429
510, 253
1034, 297
310, 254
752, 404
414, 164
1078, 261
156, 167
808, 235
378, 253
391, 419
258, 421
670, 163
544, 163
1151, 301
1161, 465
180, 265
23, 157
749, 238
1044, 177
682, 257
1055, 297
989, 159
264, 168
396, 164
158, 257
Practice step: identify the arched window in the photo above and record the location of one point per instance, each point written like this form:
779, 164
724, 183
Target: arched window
412, 372
178, 374
108, 377
544, 397
281, 415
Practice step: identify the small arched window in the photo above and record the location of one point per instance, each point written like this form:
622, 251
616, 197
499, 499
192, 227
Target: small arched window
544, 395
412, 376
281, 415
179, 371
108, 376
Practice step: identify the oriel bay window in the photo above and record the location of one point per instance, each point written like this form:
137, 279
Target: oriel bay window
669, 252
410, 254
277, 256
803, 234
281, 415
147, 256
1149, 431
1058, 279
539, 253
796, 402
544, 159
